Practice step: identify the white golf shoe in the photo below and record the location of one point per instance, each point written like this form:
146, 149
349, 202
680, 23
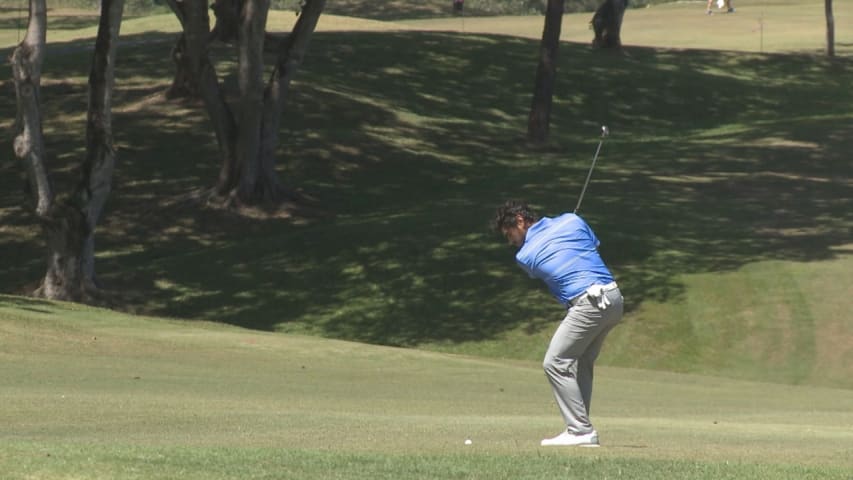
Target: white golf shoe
567, 439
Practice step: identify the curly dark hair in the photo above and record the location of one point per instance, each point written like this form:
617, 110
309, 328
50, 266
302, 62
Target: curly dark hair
506, 213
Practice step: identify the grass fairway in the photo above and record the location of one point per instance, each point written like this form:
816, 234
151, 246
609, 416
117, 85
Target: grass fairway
99, 395
726, 183
723, 199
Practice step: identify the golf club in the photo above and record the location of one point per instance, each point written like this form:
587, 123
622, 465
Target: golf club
604, 133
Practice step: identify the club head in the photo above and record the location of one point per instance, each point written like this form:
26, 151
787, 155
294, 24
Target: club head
605, 131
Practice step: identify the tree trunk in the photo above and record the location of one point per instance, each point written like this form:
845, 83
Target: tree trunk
538, 123
27, 60
195, 22
227, 13
251, 186
607, 24
66, 230
290, 56
183, 85
68, 224
225, 30
830, 29
247, 134
97, 172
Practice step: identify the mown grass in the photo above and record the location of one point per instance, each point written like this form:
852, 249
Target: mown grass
723, 197
96, 394
73, 461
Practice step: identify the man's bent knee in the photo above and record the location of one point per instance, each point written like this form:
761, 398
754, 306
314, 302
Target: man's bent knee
557, 365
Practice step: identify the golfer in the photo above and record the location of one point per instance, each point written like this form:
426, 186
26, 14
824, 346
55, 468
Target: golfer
563, 252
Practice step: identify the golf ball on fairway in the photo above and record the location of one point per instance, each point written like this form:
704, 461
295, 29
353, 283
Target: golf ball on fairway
468, 441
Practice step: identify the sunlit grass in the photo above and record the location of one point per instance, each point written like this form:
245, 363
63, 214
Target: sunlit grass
719, 161
722, 199
758, 26
96, 394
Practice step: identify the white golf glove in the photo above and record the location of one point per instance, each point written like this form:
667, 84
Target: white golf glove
597, 296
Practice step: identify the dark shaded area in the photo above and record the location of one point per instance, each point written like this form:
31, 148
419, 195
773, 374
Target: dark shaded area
409, 9
387, 10
26, 303
411, 148
13, 18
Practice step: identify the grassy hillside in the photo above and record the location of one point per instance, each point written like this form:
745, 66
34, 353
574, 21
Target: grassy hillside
99, 395
723, 197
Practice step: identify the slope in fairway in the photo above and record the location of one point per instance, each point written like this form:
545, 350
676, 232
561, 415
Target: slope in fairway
94, 394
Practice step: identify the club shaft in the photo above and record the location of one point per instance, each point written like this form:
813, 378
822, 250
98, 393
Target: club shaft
588, 176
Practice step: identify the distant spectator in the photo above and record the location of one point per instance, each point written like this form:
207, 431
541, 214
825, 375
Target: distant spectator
457, 5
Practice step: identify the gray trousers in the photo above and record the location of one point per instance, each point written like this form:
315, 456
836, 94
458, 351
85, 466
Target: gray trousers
571, 354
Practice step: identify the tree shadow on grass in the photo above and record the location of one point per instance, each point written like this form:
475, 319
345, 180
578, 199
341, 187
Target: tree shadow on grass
28, 304
407, 10
716, 160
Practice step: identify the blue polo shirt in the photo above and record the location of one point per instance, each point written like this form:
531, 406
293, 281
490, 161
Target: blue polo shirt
563, 252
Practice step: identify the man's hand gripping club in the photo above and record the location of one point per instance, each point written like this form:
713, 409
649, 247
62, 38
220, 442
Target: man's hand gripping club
598, 296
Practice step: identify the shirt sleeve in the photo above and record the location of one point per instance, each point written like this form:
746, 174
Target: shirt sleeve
591, 234
526, 269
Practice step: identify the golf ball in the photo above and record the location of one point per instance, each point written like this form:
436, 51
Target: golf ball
468, 441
